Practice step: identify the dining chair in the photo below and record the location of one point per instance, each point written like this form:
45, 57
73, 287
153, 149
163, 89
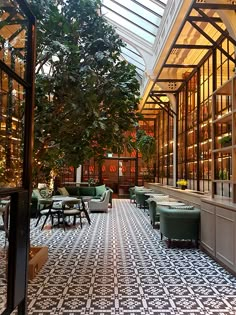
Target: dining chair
84, 210
71, 208
48, 211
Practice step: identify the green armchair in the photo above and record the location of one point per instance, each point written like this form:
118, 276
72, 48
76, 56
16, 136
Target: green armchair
179, 224
38, 202
132, 196
154, 214
141, 198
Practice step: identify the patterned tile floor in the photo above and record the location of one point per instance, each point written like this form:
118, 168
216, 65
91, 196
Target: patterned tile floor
119, 266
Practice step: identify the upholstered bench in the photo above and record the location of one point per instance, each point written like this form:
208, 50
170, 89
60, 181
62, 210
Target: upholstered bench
179, 223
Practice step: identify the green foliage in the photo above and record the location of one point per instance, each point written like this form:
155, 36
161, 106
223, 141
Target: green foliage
146, 145
226, 140
87, 97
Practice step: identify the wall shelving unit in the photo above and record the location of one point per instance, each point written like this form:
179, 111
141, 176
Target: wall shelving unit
224, 157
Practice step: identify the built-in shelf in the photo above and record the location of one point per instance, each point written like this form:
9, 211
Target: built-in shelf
223, 150
225, 89
223, 181
221, 163
226, 118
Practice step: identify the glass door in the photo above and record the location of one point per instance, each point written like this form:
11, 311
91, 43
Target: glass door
126, 176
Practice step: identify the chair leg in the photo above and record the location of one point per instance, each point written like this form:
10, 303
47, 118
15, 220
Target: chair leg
161, 236
39, 217
58, 218
87, 215
52, 219
45, 221
63, 221
80, 219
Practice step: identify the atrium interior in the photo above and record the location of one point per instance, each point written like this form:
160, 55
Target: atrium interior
124, 262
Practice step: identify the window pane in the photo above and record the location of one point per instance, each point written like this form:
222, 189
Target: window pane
12, 100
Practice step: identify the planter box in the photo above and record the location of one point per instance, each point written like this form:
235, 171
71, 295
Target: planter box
38, 257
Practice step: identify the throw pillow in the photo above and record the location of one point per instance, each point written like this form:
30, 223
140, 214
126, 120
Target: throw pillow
46, 193
182, 207
63, 191
36, 194
100, 190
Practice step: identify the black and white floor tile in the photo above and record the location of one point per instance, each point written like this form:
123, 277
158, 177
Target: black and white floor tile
119, 266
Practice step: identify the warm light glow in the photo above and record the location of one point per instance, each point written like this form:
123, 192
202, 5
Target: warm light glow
164, 98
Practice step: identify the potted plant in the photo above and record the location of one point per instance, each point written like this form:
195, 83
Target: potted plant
182, 183
146, 145
225, 141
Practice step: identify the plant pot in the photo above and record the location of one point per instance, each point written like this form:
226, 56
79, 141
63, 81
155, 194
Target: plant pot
37, 258
226, 144
183, 187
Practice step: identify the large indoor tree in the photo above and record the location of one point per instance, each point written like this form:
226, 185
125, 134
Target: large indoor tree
86, 94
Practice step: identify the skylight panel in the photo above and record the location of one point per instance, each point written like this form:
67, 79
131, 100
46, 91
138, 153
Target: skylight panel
134, 20
131, 16
128, 25
148, 15
153, 6
133, 55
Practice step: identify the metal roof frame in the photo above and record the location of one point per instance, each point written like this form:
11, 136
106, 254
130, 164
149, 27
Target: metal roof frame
151, 18
193, 20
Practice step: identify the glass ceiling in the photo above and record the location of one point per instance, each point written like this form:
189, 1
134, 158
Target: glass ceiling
132, 56
138, 18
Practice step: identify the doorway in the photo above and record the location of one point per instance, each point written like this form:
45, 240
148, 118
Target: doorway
119, 175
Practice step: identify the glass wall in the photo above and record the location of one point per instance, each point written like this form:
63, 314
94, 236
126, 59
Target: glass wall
16, 112
195, 118
164, 136
13, 53
12, 104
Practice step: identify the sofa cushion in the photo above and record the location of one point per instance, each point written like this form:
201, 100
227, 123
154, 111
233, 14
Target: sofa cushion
73, 191
100, 190
87, 191
63, 191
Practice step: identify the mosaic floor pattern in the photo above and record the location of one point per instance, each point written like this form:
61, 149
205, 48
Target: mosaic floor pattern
119, 266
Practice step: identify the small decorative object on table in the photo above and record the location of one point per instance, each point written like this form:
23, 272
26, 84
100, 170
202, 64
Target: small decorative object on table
91, 181
182, 183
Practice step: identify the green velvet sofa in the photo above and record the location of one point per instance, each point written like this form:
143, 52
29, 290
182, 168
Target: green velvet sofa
94, 191
179, 224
